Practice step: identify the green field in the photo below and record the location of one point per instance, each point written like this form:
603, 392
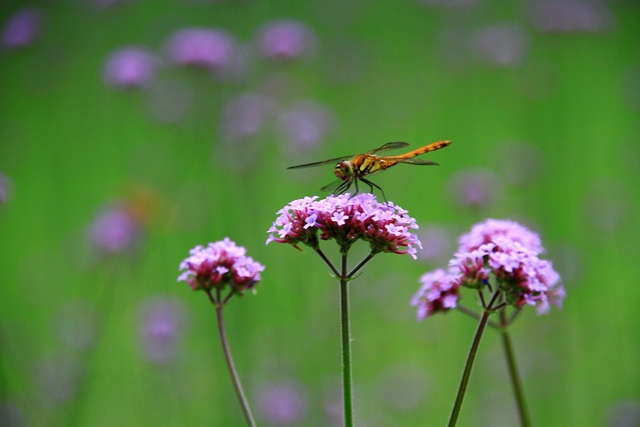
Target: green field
542, 105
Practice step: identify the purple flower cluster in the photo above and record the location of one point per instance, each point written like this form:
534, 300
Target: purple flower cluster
439, 292
130, 67
286, 39
490, 229
22, 28
219, 264
115, 230
209, 48
501, 248
346, 219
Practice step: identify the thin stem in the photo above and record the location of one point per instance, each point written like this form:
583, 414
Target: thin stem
327, 261
477, 316
513, 317
513, 373
466, 375
481, 295
244, 404
347, 391
362, 263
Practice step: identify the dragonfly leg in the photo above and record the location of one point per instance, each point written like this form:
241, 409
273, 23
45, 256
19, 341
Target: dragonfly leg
372, 184
343, 187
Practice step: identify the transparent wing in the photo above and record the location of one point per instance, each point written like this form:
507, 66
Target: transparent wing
324, 162
331, 187
414, 161
389, 146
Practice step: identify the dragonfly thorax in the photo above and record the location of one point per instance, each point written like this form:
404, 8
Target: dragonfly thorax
343, 170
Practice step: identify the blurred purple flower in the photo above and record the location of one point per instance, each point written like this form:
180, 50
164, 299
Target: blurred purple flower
130, 67
219, 264
305, 124
563, 16
115, 230
283, 403
162, 321
57, 377
624, 413
23, 28
439, 293
475, 188
286, 39
437, 243
245, 116
210, 48
5, 188
347, 219
10, 414
501, 45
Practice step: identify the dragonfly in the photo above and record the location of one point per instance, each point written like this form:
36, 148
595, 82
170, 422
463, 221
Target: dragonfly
354, 168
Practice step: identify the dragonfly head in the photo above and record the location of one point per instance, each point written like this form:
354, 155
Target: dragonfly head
343, 170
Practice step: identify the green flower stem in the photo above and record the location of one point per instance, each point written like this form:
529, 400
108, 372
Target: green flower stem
466, 375
362, 263
513, 373
235, 379
327, 261
347, 390
477, 316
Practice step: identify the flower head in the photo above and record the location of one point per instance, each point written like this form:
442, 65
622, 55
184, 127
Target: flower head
286, 39
130, 67
504, 250
490, 229
115, 230
219, 264
208, 48
510, 252
22, 28
439, 292
347, 219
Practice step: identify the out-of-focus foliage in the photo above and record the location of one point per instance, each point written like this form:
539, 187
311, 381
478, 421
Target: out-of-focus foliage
131, 131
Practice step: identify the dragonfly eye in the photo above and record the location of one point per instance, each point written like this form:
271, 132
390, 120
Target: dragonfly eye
343, 170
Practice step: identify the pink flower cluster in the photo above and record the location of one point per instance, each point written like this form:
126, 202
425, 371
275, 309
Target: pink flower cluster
209, 48
439, 292
501, 248
347, 219
219, 264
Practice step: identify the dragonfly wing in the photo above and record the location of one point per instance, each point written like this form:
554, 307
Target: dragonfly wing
331, 187
324, 162
389, 146
414, 161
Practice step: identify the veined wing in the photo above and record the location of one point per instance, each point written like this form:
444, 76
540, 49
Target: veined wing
333, 186
389, 146
414, 161
323, 162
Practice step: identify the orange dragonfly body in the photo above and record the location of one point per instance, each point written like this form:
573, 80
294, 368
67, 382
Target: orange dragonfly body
351, 169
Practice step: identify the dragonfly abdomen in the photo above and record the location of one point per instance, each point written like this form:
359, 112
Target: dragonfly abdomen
418, 151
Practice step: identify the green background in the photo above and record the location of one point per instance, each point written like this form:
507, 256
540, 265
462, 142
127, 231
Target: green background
69, 144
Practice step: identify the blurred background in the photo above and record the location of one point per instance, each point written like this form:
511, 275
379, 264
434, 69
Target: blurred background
131, 131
